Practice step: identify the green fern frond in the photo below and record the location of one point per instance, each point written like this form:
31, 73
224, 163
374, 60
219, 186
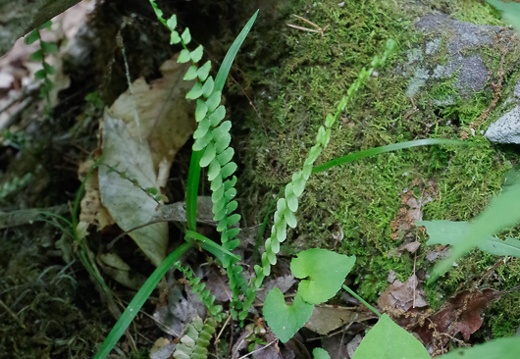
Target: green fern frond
204, 294
288, 205
195, 341
44, 74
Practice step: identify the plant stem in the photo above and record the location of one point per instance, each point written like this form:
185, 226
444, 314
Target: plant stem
355, 295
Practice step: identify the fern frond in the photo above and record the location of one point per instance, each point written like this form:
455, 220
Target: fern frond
204, 294
195, 341
288, 205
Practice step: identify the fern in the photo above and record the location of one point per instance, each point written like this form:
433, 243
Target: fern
204, 294
45, 48
212, 147
194, 343
287, 206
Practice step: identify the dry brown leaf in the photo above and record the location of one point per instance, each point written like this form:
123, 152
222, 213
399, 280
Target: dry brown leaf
461, 315
401, 297
327, 318
411, 210
165, 118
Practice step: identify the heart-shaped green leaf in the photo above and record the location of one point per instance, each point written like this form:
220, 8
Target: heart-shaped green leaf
285, 320
320, 353
324, 272
387, 340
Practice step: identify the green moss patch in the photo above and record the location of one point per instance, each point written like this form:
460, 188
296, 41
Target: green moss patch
350, 209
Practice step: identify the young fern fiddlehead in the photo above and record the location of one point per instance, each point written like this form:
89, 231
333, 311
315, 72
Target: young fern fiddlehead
287, 206
212, 139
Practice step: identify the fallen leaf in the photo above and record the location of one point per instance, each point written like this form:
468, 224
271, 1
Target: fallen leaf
463, 313
180, 311
126, 201
141, 134
401, 297
403, 224
326, 318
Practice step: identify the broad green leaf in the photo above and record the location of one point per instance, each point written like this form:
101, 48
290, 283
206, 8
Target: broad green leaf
285, 320
201, 143
214, 98
229, 169
502, 212
510, 12
298, 182
232, 206
230, 194
222, 141
174, 38
37, 55
226, 156
502, 348
323, 272
290, 218
40, 74
217, 115
48, 68
387, 340
448, 232
32, 37
214, 170
171, 22
320, 353
49, 47
202, 129
200, 111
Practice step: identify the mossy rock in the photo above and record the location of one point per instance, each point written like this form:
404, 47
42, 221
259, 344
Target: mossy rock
351, 208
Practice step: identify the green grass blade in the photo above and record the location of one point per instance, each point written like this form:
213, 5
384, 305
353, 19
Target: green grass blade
212, 247
192, 190
382, 149
223, 71
138, 301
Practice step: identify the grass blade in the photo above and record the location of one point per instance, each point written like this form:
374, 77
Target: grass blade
138, 301
223, 71
382, 149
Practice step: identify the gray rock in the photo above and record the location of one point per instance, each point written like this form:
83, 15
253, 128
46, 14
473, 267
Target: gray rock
463, 43
506, 129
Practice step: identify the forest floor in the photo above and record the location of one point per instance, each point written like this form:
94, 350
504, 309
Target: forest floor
296, 64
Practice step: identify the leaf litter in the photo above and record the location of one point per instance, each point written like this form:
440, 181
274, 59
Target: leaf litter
140, 135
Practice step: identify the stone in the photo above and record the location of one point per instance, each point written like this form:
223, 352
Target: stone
506, 129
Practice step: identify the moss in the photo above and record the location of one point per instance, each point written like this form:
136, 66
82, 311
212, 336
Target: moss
361, 199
